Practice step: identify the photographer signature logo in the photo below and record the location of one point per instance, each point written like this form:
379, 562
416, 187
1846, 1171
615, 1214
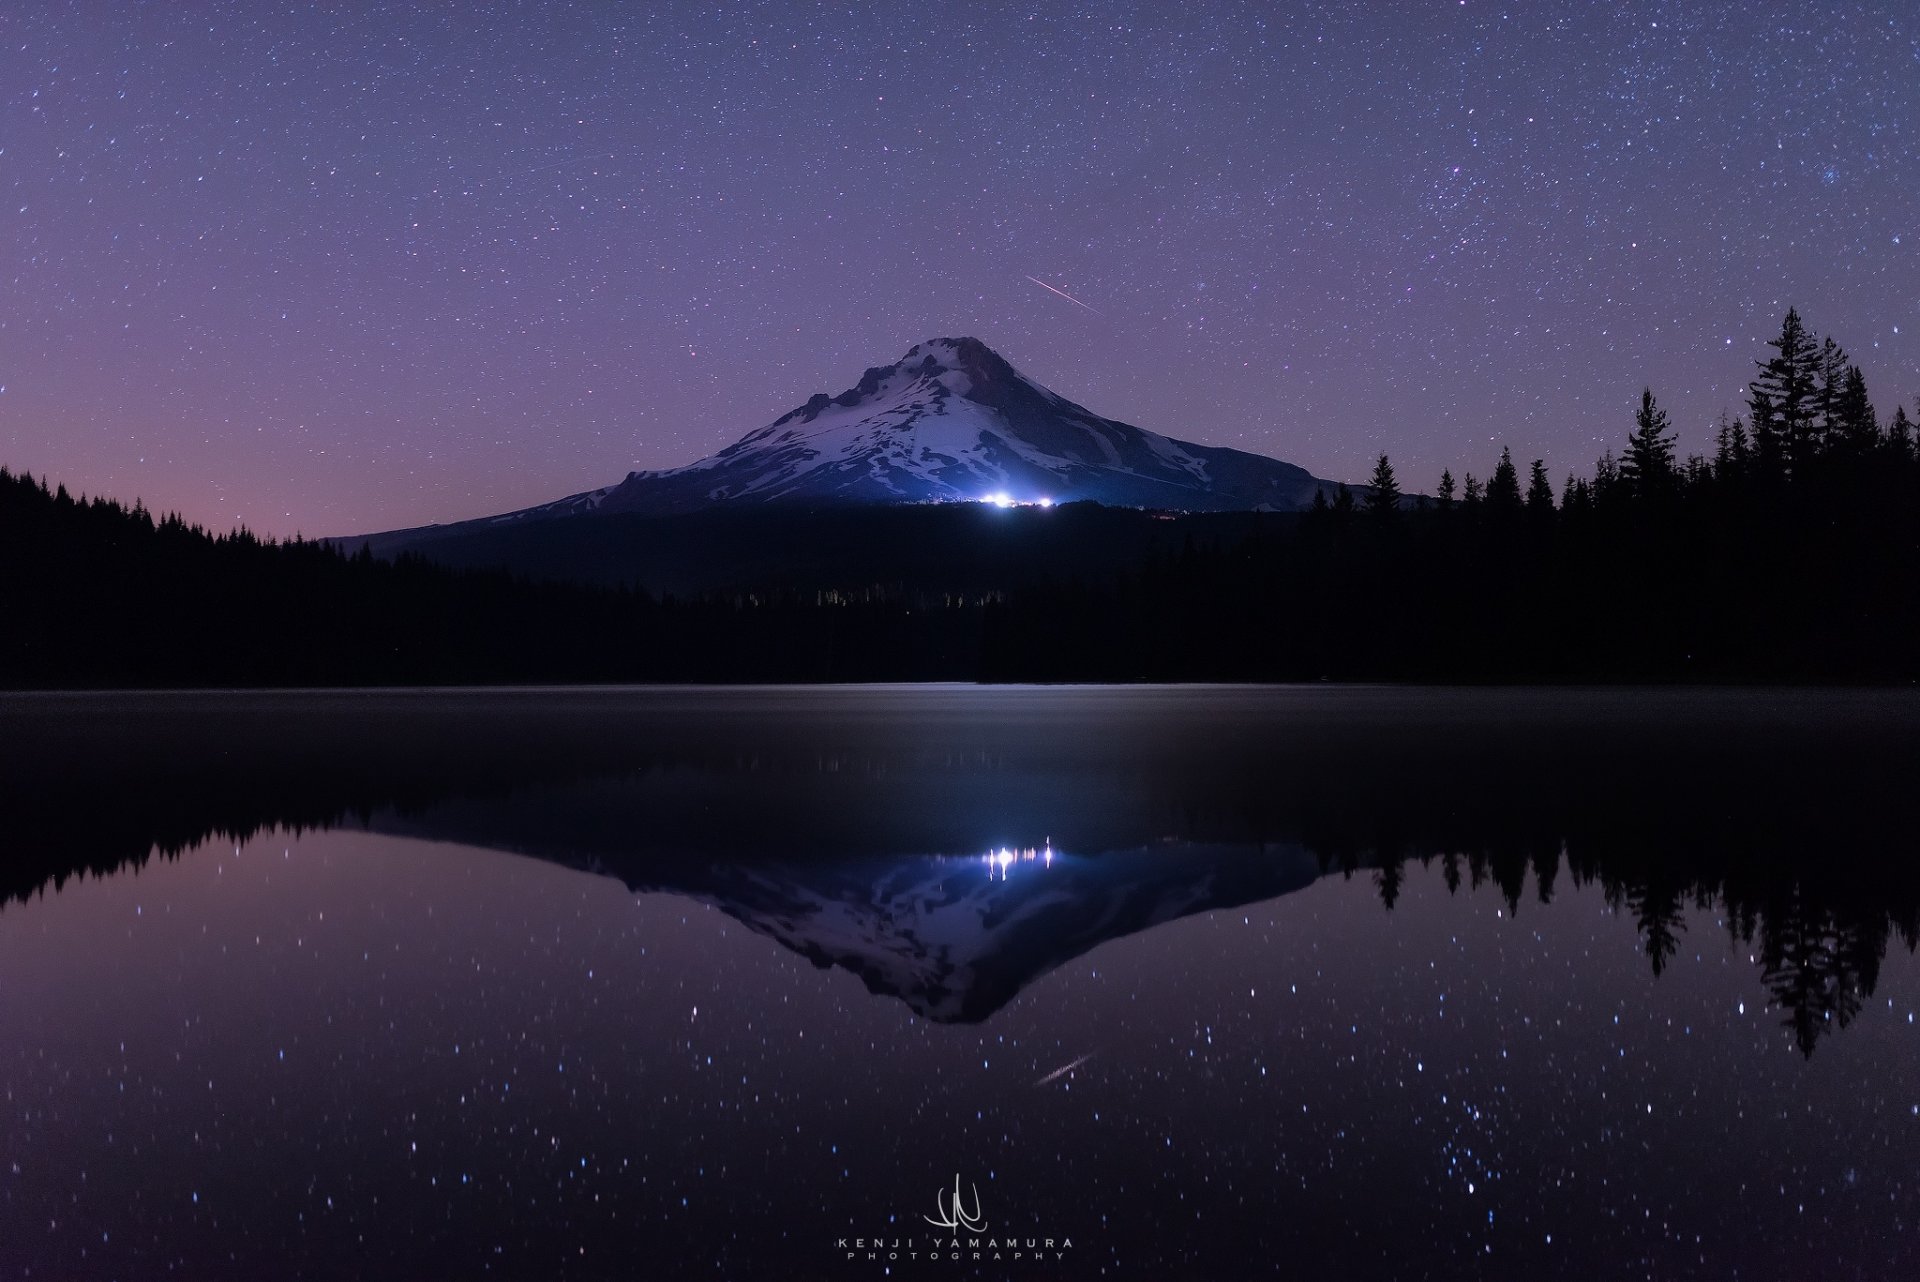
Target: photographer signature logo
962, 1239
954, 1215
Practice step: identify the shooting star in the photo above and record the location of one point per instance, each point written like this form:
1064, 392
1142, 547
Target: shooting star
1063, 293
1061, 1072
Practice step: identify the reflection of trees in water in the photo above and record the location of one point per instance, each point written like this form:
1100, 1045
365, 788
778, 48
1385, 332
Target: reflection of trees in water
1795, 834
1661, 916
1820, 968
1819, 941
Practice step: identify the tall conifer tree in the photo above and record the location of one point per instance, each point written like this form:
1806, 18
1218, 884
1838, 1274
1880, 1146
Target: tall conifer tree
1782, 400
1647, 466
1383, 489
1503, 491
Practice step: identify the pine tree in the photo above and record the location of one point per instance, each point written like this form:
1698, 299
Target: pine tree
1577, 497
1647, 467
1781, 402
1729, 447
1539, 490
1900, 435
1383, 489
1606, 478
1503, 491
1446, 490
1830, 382
1855, 429
1470, 496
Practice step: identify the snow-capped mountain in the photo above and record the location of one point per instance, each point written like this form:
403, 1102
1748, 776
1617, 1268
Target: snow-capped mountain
954, 937
957, 938
953, 421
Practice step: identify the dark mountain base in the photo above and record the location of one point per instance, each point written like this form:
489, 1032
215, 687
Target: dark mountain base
1728, 581
920, 551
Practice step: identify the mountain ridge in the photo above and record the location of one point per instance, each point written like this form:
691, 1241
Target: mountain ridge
951, 421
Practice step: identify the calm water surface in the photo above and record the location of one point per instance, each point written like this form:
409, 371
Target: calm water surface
1207, 983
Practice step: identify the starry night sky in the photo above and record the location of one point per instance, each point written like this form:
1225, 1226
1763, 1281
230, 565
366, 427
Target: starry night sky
339, 267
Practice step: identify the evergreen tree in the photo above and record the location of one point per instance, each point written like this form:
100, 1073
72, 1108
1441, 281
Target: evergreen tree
1900, 435
1539, 491
1729, 447
1830, 382
1383, 489
1781, 401
1503, 491
1606, 478
1470, 496
1647, 467
1856, 429
1446, 490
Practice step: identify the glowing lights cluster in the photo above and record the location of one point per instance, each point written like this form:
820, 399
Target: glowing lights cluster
1000, 862
1004, 499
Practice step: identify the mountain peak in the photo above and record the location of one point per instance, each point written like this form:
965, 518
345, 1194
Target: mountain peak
936, 369
992, 379
953, 421
968, 355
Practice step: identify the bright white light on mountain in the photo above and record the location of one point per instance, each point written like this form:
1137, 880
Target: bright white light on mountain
1000, 862
1000, 500
1046, 502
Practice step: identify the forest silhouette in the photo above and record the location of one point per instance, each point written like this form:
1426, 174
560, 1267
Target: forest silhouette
1789, 553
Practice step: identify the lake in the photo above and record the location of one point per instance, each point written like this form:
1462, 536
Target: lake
931, 982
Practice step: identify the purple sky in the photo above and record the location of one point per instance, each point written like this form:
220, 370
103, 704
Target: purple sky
340, 267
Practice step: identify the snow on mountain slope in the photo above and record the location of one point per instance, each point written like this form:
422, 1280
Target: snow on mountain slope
953, 421
957, 938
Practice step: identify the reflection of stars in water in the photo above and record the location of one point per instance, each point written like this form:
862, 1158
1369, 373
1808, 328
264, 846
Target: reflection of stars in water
470, 1059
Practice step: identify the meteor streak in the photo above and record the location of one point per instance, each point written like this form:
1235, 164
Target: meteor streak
1063, 293
1061, 1072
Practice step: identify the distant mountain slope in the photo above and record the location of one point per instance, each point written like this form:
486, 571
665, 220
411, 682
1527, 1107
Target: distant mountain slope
951, 421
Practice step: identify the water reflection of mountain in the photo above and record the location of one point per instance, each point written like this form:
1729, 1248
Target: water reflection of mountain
792, 808
954, 937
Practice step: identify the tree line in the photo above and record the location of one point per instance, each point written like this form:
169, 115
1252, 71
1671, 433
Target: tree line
1790, 552
98, 594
